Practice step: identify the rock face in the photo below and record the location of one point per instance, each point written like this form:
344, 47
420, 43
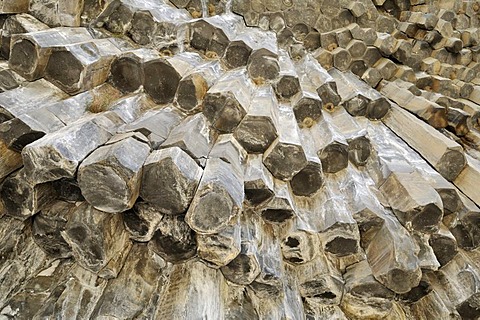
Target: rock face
241, 159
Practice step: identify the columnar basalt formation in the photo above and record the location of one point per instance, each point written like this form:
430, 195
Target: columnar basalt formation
239, 159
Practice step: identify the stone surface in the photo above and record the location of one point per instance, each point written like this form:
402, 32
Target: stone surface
170, 179
110, 176
243, 159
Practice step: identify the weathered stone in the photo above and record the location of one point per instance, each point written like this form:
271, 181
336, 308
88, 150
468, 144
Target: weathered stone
228, 149
9, 79
170, 179
193, 136
319, 284
32, 125
9, 161
464, 180
463, 225
392, 257
327, 214
31, 51
142, 221
285, 157
117, 16
11, 6
76, 294
270, 281
258, 129
162, 76
262, 235
134, 286
237, 54
331, 146
364, 296
442, 153
211, 35
385, 43
258, 182
287, 84
354, 99
263, 65
338, 232
218, 198
68, 190
457, 119
246, 42
66, 13
363, 204
30, 97
306, 104
110, 176
393, 155
23, 199
192, 291
88, 65
130, 108
228, 101
457, 281
341, 59
47, 227
161, 26
359, 147
444, 245
194, 86
245, 268
324, 57
156, 125
299, 247
98, 240
358, 98
310, 179
221, 248
59, 154
453, 45
174, 241
36, 289
427, 261
419, 207
128, 69
321, 80
15, 24
279, 208
367, 35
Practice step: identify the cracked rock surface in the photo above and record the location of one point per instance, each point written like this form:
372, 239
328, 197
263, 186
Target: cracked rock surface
239, 159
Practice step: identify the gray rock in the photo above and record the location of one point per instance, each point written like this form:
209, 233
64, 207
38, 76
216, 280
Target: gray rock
142, 221
194, 136
228, 101
21, 198
285, 157
218, 199
31, 51
110, 177
257, 130
88, 65
98, 240
59, 154
173, 240
47, 227
170, 180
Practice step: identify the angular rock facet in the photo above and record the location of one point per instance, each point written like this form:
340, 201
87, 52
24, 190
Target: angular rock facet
170, 180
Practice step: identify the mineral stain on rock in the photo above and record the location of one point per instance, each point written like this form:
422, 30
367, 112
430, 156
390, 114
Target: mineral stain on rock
241, 159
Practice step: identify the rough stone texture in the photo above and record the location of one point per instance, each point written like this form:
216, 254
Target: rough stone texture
110, 176
170, 179
241, 159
